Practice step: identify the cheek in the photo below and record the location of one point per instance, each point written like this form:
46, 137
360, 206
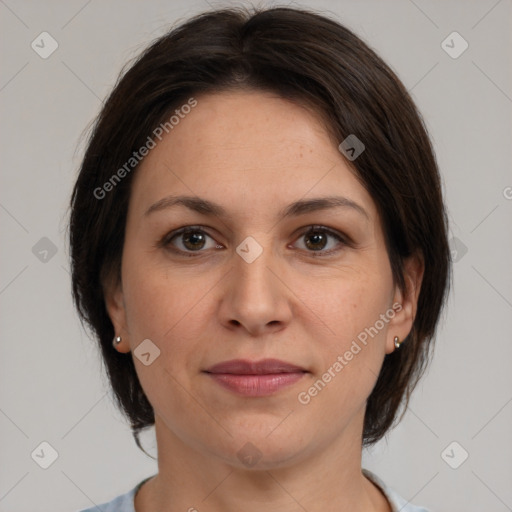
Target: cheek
350, 303
168, 309
150, 306
156, 301
162, 310
353, 308
351, 354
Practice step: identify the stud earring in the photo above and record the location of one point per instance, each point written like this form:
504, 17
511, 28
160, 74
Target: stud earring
117, 340
397, 342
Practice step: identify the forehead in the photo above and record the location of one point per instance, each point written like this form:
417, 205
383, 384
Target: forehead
238, 124
248, 141
236, 115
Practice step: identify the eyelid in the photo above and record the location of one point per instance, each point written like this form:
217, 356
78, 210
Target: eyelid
340, 237
343, 239
320, 227
165, 242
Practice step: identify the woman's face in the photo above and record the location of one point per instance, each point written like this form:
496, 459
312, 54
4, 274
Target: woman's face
268, 270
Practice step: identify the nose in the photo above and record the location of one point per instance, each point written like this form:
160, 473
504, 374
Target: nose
255, 296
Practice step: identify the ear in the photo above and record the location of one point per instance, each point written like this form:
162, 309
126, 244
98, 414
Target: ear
114, 302
405, 303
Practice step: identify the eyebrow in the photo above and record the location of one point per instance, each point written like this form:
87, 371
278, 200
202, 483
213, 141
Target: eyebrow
205, 207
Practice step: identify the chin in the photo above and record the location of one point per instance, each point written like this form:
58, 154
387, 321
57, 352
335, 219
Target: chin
254, 450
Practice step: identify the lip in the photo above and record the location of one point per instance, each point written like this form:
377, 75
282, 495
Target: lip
255, 378
263, 367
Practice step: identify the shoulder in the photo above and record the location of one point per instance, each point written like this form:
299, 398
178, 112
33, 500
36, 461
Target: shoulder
397, 502
123, 503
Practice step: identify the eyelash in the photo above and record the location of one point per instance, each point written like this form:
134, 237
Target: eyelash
165, 242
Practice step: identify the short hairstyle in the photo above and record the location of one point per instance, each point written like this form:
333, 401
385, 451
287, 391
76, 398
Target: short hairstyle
302, 56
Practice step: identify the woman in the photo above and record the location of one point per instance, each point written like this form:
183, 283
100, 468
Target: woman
258, 225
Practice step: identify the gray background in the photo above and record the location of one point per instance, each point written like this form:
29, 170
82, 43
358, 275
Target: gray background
52, 385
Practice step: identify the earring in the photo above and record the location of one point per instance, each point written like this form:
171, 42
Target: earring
397, 342
117, 340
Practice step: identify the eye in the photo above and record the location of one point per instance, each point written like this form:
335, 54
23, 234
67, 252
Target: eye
189, 239
193, 239
318, 238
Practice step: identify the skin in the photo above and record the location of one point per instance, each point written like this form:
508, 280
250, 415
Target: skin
254, 153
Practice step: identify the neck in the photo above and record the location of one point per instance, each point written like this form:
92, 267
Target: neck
327, 479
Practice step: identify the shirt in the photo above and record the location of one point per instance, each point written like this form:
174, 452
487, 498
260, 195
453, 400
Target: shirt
125, 502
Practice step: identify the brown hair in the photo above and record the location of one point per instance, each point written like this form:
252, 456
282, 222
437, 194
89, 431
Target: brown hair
301, 56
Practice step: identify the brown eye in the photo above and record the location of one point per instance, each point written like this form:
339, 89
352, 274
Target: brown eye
189, 240
315, 240
318, 238
193, 240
